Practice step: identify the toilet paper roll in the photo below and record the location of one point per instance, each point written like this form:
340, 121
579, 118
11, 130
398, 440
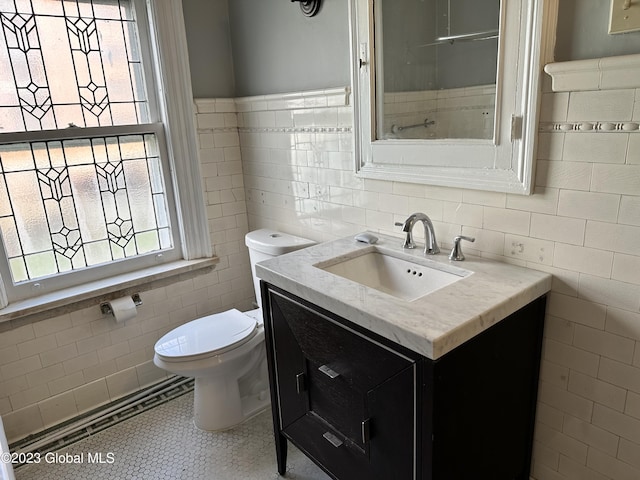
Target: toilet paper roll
123, 309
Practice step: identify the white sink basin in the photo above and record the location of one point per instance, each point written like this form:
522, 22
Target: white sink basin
405, 278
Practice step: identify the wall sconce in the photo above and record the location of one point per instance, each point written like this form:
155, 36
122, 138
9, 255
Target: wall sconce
309, 7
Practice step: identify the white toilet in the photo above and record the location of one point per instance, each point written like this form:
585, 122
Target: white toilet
225, 352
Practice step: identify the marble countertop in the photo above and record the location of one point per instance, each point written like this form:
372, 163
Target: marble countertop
431, 325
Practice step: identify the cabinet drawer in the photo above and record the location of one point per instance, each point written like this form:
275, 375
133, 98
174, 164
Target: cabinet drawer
390, 435
336, 351
327, 447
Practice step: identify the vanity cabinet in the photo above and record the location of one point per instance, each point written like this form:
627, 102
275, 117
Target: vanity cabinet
364, 407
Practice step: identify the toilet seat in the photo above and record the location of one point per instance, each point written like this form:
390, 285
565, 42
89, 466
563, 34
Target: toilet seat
207, 336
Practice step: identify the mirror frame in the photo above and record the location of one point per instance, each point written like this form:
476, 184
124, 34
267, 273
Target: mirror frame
503, 164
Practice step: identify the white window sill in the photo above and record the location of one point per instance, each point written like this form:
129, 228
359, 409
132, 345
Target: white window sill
94, 293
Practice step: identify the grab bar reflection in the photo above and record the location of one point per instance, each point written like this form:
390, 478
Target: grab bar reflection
395, 128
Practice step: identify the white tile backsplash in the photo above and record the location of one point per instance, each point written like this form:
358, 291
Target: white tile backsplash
624, 179
544, 200
569, 356
529, 249
610, 292
583, 260
586, 432
596, 147
554, 107
605, 344
565, 401
550, 146
507, 221
557, 228
633, 155
613, 237
626, 268
564, 174
633, 405
606, 105
618, 423
629, 452
590, 205
455, 212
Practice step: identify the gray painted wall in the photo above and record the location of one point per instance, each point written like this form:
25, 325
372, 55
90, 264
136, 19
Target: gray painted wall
582, 32
209, 42
276, 49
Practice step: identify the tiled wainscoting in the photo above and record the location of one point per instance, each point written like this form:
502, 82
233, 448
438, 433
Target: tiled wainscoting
582, 225
56, 368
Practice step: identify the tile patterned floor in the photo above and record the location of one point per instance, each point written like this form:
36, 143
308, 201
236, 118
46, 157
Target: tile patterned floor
163, 444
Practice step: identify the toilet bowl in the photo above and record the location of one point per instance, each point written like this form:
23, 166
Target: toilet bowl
225, 352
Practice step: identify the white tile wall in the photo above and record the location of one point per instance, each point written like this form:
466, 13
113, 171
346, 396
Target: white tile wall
582, 225
289, 168
54, 369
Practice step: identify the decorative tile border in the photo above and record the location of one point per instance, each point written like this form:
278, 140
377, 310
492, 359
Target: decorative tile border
276, 130
219, 130
598, 74
295, 129
258, 114
589, 127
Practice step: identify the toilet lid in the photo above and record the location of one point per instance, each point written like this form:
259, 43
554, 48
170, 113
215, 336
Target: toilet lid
209, 335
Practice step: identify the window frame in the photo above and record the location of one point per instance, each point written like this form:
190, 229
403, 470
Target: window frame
170, 98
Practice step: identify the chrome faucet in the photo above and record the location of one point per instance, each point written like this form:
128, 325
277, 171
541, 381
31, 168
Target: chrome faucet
456, 252
430, 244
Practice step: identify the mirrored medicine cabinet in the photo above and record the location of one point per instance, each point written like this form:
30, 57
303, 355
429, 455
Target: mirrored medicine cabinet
446, 92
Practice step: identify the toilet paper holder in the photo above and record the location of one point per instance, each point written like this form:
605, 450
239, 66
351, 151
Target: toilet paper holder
105, 307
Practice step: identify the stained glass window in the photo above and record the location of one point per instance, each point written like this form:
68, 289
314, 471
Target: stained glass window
69, 63
72, 197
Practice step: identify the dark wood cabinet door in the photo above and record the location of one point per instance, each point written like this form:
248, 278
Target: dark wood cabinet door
348, 402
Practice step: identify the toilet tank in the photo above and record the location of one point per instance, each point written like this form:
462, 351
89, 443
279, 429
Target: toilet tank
264, 244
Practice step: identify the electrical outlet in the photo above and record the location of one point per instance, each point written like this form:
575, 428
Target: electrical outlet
625, 16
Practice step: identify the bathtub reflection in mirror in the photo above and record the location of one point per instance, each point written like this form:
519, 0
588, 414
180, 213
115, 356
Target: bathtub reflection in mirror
436, 70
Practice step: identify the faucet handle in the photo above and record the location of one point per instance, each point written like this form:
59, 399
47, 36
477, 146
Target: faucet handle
456, 252
408, 239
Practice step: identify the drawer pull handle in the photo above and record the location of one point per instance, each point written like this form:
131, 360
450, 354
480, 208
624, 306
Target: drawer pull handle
301, 384
328, 371
332, 439
366, 430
